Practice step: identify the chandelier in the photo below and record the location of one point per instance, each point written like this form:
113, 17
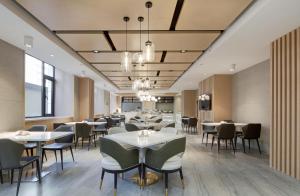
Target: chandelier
145, 96
149, 48
139, 57
141, 84
126, 59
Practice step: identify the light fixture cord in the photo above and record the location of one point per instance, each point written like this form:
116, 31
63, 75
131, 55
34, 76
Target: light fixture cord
148, 22
140, 36
126, 36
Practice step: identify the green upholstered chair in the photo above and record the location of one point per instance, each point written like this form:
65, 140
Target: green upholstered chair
250, 132
11, 159
84, 131
29, 146
171, 125
158, 120
225, 132
116, 130
102, 129
131, 127
117, 160
165, 160
61, 144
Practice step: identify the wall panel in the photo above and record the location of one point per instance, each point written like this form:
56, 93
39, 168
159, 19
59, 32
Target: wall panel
285, 125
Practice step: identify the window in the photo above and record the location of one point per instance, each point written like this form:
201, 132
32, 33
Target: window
39, 88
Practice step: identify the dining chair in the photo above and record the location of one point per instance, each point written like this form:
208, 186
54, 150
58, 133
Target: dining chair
171, 125
60, 144
224, 132
131, 127
208, 130
102, 129
158, 120
250, 132
84, 131
11, 159
117, 160
29, 146
184, 122
56, 125
192, 125
165, 160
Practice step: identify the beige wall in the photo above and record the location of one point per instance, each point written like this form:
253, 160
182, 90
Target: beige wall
189, 103
12, 104
106, 102
251, 99
177, 104
85, 97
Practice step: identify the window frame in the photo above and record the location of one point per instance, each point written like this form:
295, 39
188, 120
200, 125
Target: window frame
43, 97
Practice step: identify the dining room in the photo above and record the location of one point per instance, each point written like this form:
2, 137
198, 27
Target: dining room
175, 97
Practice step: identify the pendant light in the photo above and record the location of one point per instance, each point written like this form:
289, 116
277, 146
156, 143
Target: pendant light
139, 57
149, 48
126, 59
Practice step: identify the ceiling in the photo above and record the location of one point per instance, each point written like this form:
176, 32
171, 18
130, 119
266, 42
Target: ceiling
175, 25
245, 43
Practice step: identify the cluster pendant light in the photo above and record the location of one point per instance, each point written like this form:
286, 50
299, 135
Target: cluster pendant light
149, 48
126, 59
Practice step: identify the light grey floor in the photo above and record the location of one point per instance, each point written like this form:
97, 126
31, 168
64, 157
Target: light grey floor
206, 173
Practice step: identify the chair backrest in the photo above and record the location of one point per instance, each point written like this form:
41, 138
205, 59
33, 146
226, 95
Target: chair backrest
171, 130
131, 127
171, 125
83, 130
252, 131
10, 154
115, 130
228, 121
207, 128
110, 122
193, 122
125, 158
89, 120
137, 117
157, 158
66, 139
226, 131
55, 125
38, 128
158, 120
101, 126
152, 117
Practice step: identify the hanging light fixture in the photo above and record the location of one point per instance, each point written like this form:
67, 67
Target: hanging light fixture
126, 59
149, 48
139, 57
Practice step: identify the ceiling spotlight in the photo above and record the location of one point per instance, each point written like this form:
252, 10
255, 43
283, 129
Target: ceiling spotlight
96, 51
183, 51
52, 55
232, 67
28, 41
83, 74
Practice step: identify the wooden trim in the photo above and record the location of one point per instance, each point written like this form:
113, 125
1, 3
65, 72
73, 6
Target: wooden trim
176, 14
109, 41
163, 56
199, 31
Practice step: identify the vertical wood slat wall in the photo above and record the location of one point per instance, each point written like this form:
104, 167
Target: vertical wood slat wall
285, 87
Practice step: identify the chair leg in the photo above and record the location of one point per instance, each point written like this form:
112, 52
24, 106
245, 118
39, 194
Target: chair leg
144, 175
62, 159
43, 154
89, 142
38, 169
82, 142
1, 176
140, 175
115, 183
249, 144
11, 176
181, 177
203, 134
76, 142
231, 142
55, 156
243, 140
27, 153
212, 142
95, 140
218, 145
226, 144
19, 180
258, 146
235, 140
166, 184
72, 153
31, 152
206, 138
46, 157
102, 177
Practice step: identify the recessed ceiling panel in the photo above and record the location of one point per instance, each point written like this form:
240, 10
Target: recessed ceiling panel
210, 15
182, 57
142, 74
168, 78
167, 41
99, 14
110, 57
85, 41
151, 67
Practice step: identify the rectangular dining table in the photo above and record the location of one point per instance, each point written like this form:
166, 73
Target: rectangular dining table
38, 138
